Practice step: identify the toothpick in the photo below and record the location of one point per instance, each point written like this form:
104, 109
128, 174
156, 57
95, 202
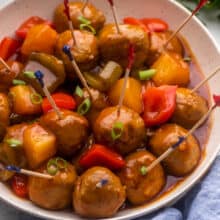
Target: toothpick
199, 6
70, 23
181, 139
5, 64
85, 5
178, 30
36, 174
206, 79
81, 77
115, 15
72, 32
127, 73
39, 75
121, 99
67, 51
16, 169
52, 102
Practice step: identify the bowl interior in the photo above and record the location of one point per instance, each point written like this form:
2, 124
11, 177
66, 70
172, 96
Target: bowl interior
202, 45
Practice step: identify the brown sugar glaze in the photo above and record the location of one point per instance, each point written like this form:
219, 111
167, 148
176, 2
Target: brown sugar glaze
202, 134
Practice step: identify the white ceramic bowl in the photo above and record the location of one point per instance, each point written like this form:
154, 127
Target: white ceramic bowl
202, 45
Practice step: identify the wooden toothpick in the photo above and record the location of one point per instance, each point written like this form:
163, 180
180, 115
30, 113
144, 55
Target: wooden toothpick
67, 51
16, 169
85, 5
70, 23
36, 174
52, 102
5, 64
127, 73
211, 75
115, 15
199, 6
183, 139
39, 76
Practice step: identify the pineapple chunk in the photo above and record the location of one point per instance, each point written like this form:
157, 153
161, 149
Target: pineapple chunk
171, 70
22, 100
40, 38
39, 145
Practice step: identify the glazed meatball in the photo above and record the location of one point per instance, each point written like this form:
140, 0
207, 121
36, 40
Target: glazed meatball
16, 132
85, 51
8, 76
54, 194
114, 46
133, 133
12, 155
184, 159
4, 114
190, 108
71, 131
99, 102
140, 185
157, 41
95, 16
98, 193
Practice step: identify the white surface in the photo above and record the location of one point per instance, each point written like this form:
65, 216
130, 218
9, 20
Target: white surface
201, 44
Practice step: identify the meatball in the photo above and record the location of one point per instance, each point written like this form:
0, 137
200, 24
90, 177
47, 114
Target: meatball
140, 185
98, 193
85, 51
157, 41
114, 46
71, 131
184, 159
95, 16
8, 76
12, 155
4, 114
16, 132
190, 108
133, 133
54, 194
99, 102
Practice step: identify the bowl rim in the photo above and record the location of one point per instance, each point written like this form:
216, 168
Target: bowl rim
166, 201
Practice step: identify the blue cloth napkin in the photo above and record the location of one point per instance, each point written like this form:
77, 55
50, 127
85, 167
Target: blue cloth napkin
201, 203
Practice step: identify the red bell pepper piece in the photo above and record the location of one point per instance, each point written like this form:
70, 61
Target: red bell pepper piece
62, 100
8, 47
155, 24
99, 155
22, 31
134, 21
19, 185
216, 99
159, 104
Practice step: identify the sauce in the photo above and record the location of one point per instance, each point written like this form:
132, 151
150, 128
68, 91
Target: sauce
202, 134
